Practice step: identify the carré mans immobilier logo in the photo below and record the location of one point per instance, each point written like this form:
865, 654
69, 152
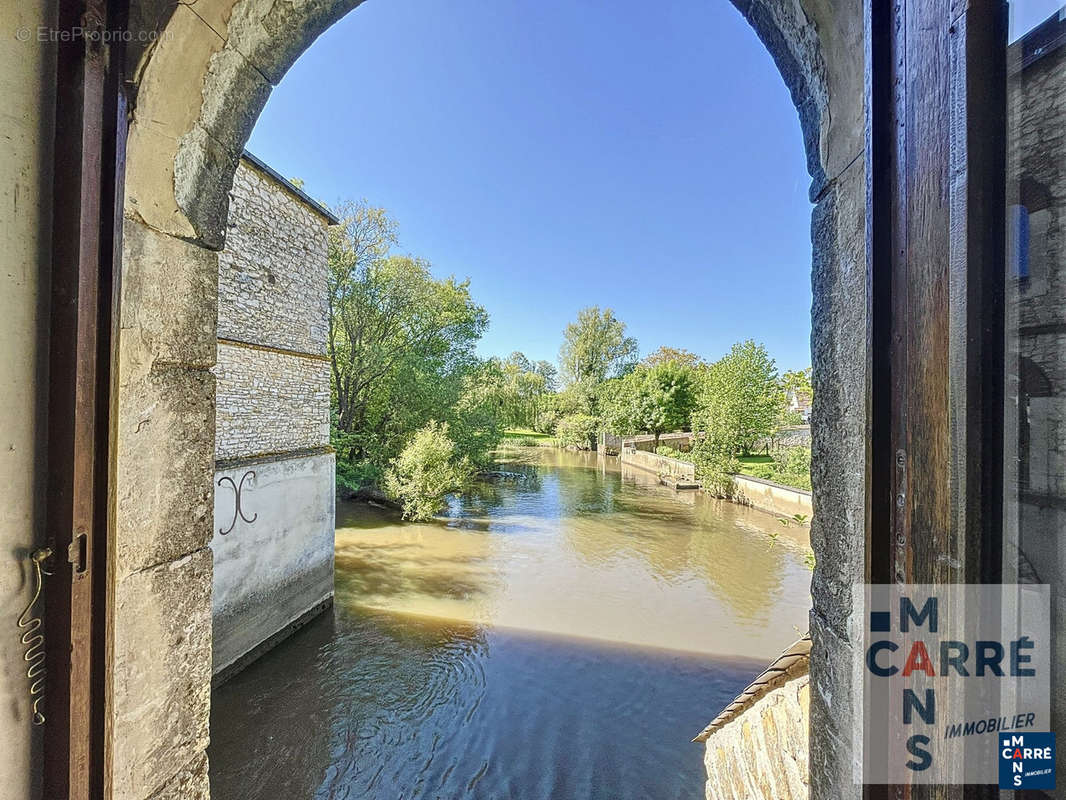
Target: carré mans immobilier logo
956, 685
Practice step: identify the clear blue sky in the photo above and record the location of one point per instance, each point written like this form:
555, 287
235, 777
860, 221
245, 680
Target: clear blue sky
566, 153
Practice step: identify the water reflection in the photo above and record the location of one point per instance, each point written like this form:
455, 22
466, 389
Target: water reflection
385, 706
517, 648
567, 544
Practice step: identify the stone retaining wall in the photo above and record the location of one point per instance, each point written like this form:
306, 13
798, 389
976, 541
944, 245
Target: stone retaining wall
660, 465
772, 497
762, 753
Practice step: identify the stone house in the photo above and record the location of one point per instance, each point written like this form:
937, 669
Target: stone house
272, 541
799, 402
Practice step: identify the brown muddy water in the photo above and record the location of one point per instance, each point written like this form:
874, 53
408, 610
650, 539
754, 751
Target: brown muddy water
561, 633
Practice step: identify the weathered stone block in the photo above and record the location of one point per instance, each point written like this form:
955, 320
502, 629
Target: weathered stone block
190, 784
838, 458
838, 471
166, 444
161, 676
835, 708
167, 109
273, 35
169, 299
203, 175
208, 154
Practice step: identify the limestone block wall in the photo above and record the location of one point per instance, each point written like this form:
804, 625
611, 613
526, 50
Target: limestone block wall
269, 402
272, 541
762, 753
272, 272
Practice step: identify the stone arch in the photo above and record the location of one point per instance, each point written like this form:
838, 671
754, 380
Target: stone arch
198, 86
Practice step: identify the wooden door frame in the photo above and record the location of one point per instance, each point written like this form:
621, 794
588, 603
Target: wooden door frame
90, 137
936, 156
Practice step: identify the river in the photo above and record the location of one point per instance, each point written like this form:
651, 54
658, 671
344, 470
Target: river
562, 632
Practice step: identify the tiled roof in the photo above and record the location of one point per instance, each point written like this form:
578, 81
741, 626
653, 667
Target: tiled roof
790, 664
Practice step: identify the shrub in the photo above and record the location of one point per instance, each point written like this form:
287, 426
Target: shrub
715, 463
577, 430
426, 471
354, 476
672, 452
792, 467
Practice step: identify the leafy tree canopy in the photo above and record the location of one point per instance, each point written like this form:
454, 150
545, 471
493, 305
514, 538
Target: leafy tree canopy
677, 355
401, 344
595, 348
652, 399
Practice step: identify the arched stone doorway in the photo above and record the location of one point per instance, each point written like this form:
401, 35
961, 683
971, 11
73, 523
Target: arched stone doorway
200, 86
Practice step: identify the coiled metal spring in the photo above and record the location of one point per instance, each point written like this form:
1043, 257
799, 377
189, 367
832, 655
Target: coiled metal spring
32, 639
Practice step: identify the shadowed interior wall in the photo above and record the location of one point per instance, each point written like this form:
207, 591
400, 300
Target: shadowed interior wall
27, 76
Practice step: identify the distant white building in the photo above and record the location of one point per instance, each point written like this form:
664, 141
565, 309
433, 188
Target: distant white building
799, 402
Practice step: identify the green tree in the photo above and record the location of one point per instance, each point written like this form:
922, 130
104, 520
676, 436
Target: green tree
652, 400
678, 355
739, 399
577, 430
401, 346
798, 380
595, 348
549, 373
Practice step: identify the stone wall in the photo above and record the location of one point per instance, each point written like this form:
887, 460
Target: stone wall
269, 402
272, 541
762, 753
679, 441
772, 497
272, 274
658, 465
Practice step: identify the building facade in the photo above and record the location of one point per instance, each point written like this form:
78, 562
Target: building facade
272, 541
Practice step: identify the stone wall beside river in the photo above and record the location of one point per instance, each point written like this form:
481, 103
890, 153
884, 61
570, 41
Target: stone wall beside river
274, 471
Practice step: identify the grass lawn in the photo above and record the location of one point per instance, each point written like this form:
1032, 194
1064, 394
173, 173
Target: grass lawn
763, 467
520, 433
756, 466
